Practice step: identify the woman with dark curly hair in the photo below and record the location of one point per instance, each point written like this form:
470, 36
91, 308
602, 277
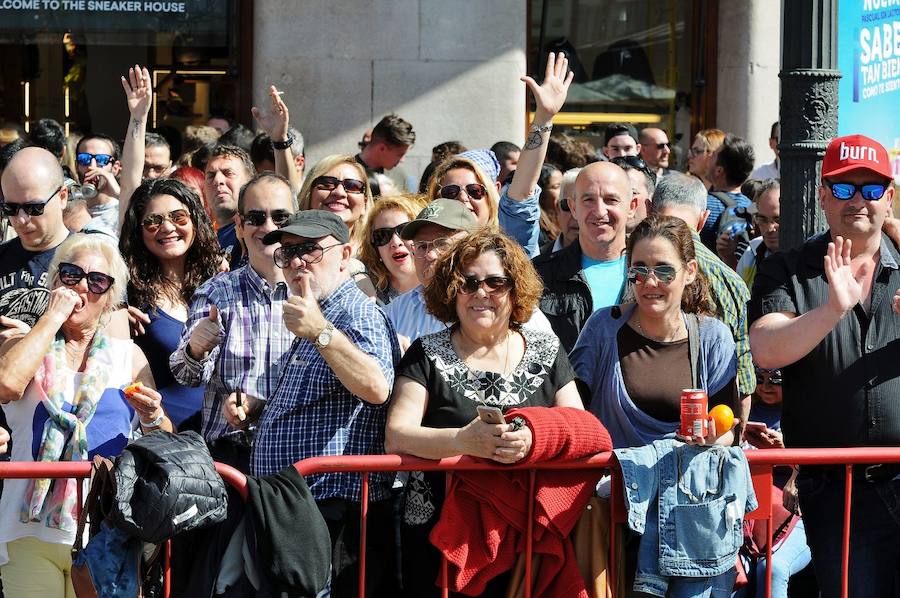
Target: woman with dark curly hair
667, 330
484, 287
170, 248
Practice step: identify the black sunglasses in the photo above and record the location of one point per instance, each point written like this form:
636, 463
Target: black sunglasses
383, 236
98, 282
665, 274
152, 222
31, 208
310, 252
564, 204
494, 284
869, 191
259, 217
660, 146
764, 376
330, 183
473, 190
84, 159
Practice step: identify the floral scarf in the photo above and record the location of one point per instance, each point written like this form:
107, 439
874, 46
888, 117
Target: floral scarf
65, 432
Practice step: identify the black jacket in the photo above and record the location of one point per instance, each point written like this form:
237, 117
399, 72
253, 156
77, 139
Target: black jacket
566, 301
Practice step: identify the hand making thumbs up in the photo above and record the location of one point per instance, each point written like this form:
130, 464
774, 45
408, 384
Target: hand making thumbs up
302, 315
206, 335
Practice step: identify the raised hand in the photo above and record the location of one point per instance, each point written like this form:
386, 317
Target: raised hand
206, 335
138, 91
844, 288
276, 120
550, 95
301, 313
63, 302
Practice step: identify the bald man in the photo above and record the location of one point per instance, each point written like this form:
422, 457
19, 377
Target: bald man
589, 274
34, 198
655, 150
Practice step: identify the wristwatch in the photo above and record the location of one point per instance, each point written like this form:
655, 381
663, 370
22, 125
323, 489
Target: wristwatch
324, 338
283, 145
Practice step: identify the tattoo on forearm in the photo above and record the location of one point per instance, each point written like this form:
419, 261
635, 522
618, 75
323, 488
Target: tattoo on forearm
535, 140
136, 125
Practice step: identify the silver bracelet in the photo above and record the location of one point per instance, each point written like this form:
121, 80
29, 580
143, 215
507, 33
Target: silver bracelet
155, 423
540, 129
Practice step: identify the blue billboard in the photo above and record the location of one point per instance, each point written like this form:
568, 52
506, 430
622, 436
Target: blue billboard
869, 59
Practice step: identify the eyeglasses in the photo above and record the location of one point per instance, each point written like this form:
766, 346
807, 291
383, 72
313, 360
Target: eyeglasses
664, 274
422, 248
494, 285
259, 217
383, 236
310, 252
152, 222
473, 191
698, 151
330, 183
84, 159
764, 376
98, 282
564, 204
31, 208
869, 191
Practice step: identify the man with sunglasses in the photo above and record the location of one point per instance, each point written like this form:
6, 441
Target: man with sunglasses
234, 339
97, 163
826, 313
655, 150
332, 393
643, 184
34, 198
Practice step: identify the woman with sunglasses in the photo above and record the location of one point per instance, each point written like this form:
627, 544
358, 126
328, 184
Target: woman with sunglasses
62, 394
388, 258
338, 183
485, 288
705, 143
790, 553
620, 345
169, 245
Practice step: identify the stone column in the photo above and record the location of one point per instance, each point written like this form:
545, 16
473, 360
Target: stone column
809, 112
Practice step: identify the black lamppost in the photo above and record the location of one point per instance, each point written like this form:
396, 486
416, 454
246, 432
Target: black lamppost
809, 112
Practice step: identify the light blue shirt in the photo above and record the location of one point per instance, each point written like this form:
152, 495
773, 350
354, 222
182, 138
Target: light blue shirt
606, 280
521, 219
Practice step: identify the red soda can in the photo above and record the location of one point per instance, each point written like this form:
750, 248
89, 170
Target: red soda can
693, 413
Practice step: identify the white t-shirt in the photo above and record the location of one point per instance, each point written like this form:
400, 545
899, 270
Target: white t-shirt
108, 432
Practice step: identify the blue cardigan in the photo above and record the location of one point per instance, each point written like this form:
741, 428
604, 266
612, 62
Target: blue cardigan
596, 362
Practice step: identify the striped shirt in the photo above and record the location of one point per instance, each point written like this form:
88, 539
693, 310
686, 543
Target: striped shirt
312, 414
254, 343
730, 295
716, 208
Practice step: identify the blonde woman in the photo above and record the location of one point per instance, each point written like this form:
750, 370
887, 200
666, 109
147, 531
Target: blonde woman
389, 259
338, 183
705, 143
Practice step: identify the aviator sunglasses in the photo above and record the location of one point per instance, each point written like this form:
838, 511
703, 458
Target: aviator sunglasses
869, 191
310, 252
152, 222
98, 282
473, 190
665, 274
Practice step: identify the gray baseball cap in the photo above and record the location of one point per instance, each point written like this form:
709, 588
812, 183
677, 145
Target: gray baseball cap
311, 224
448, 213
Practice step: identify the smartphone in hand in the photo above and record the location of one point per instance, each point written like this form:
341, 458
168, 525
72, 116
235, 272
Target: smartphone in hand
490, 415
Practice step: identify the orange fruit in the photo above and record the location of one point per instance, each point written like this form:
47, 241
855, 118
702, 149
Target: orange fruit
132, 388
724, 418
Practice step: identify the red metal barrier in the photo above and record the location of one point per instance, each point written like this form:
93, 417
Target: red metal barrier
761, 464
82, 470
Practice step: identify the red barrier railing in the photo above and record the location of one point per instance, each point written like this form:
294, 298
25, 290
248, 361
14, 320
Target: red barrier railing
761, 464
82, 470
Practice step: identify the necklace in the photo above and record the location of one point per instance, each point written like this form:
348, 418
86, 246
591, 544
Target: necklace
637, 321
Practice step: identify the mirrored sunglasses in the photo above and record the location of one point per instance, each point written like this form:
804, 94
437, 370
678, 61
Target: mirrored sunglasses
84, 159
152, 222
869, 191
664, 274
98, 282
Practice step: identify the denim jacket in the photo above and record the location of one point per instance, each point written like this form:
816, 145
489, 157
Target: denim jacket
688, 502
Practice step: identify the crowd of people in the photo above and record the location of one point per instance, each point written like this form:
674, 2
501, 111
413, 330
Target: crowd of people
287, 310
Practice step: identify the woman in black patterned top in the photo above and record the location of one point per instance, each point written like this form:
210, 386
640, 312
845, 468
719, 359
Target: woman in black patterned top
485, 287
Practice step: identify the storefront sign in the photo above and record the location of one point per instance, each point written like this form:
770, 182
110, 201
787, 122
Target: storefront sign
869, 58
83, 16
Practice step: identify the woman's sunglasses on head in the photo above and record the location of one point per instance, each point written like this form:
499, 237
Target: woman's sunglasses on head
98, 282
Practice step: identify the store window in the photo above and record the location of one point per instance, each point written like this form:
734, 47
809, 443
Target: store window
632, 61
63, 59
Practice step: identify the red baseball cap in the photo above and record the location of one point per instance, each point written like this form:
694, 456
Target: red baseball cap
856, 152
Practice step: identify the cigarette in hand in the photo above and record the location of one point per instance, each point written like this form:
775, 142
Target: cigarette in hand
240, 405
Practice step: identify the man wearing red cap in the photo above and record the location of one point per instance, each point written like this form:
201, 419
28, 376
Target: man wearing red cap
826, 314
